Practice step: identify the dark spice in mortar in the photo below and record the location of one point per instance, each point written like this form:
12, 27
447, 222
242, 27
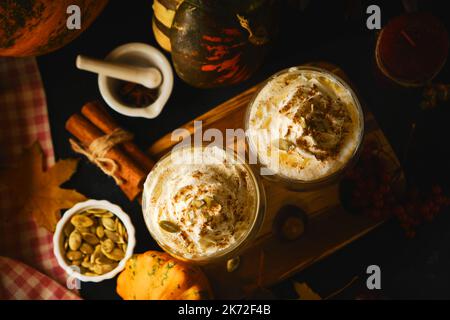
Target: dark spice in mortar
136, 95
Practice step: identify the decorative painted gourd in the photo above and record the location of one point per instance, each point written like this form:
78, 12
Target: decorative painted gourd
155, 275
221, 42
163, 14
36, 27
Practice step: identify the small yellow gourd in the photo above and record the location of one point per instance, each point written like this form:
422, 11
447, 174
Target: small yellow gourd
155, 275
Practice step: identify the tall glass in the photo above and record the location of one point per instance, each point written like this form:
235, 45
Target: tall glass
261, 109
177, 176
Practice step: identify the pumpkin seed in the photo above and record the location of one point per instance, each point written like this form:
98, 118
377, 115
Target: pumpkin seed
90, 238
198, 203
109, 224
74, 240
74, 255
101, 269
113, 236
120, 229
109, 267
81, 221
284, 144
116, 255
107, 246
233, 264
66, 245
86, 248
107, 214
96, 210
82, 230
100, 232
209, 201
98, 269
96, 254
76, 262
100, 213
91, 274
116, 223
68, 228
124, 247
169, 226
302, 122
103, 260
87, 265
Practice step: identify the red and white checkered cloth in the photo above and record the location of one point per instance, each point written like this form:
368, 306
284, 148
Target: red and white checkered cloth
23, 120
19, 281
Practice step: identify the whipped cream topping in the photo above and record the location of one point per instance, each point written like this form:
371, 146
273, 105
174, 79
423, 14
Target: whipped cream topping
206, 194
304, 125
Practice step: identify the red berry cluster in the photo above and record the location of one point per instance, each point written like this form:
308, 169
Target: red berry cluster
370, 190
419, 207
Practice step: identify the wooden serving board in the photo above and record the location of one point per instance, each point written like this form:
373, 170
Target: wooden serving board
329, 227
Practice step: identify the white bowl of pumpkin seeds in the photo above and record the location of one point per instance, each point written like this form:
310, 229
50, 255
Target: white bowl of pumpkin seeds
93, 240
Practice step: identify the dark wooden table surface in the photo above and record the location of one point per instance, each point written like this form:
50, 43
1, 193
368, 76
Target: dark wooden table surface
417, 268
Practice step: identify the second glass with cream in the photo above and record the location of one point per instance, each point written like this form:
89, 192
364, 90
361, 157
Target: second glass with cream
203, 204
305, 125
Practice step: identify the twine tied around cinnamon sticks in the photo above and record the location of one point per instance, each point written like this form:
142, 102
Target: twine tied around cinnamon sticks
98, 137
97, 150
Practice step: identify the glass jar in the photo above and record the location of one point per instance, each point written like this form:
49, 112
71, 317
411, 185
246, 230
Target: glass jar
275, 172
174, 176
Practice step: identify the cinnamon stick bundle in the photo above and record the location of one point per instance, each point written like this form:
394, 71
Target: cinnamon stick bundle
131, 164
97, 114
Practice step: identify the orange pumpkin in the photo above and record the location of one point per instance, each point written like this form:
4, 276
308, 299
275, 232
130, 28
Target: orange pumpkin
35, 27
155, 275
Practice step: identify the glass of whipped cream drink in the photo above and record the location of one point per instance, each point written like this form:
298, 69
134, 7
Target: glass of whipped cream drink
203, 204
305, 127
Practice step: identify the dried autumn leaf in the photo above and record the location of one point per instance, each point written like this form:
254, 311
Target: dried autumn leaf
36, 192
305, 292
